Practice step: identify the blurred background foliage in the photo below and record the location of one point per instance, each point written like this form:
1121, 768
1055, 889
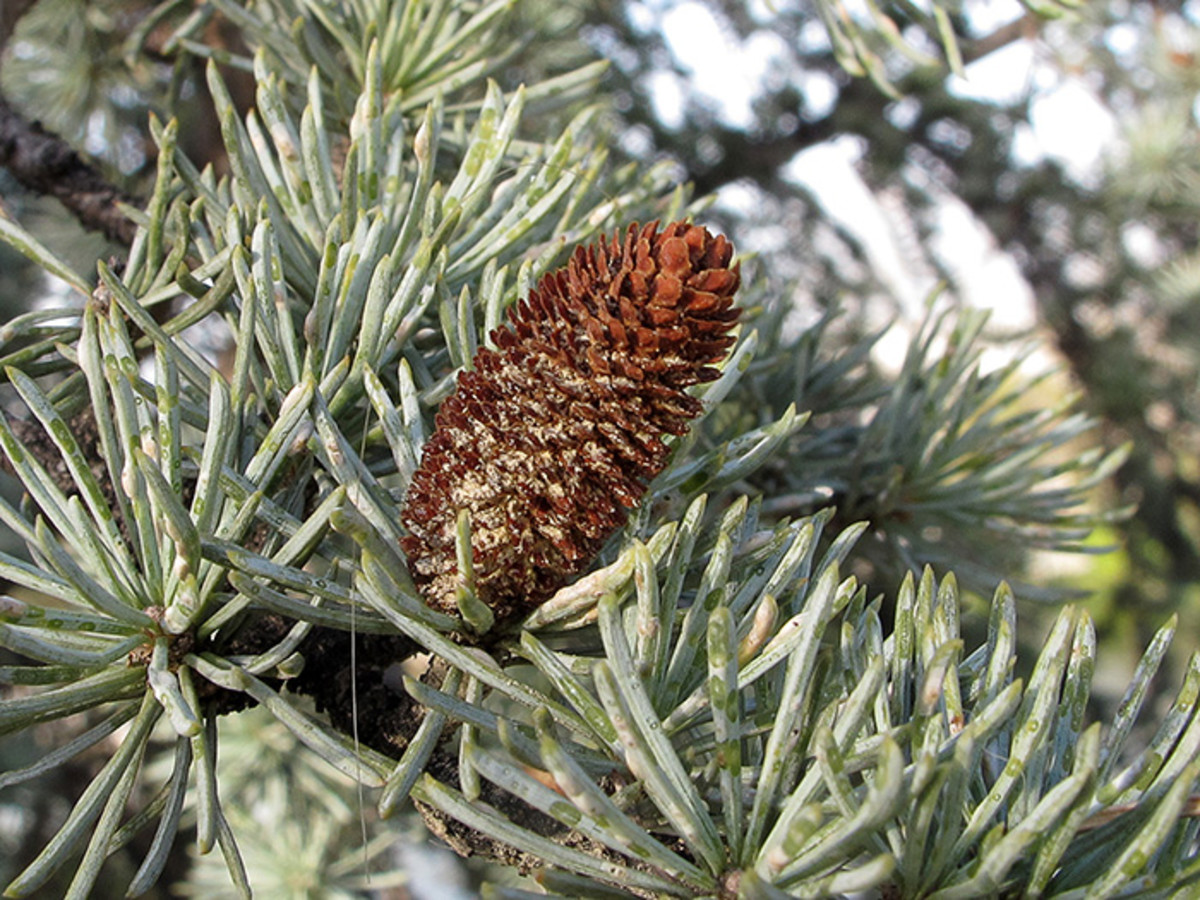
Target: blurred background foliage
1107, 249
1103, 253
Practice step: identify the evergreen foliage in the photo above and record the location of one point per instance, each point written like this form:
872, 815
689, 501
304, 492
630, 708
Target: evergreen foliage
761, 689
1069, 140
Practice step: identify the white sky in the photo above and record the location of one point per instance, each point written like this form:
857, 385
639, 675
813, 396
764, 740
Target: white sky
1069, 124
696, 39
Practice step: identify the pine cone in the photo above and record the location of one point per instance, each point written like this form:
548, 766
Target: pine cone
551, 438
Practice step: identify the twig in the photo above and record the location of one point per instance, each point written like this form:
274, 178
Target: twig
1191, 810
45, 163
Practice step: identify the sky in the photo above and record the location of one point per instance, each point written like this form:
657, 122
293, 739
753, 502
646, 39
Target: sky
1069, 124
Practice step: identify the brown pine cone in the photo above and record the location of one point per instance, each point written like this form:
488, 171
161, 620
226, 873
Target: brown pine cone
549, 439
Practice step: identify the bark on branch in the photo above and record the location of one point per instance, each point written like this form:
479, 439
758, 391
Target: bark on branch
46, 164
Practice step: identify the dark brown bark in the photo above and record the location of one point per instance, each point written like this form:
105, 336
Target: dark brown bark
46, 164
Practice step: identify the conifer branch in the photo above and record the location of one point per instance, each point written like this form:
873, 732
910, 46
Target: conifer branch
717, 706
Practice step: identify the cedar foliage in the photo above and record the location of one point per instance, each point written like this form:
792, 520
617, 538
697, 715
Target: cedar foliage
722, 706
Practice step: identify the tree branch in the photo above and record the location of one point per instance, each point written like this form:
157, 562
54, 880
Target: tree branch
1027, 26
46, 164
744, 154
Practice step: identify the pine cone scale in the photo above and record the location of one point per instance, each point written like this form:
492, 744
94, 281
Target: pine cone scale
551, 438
